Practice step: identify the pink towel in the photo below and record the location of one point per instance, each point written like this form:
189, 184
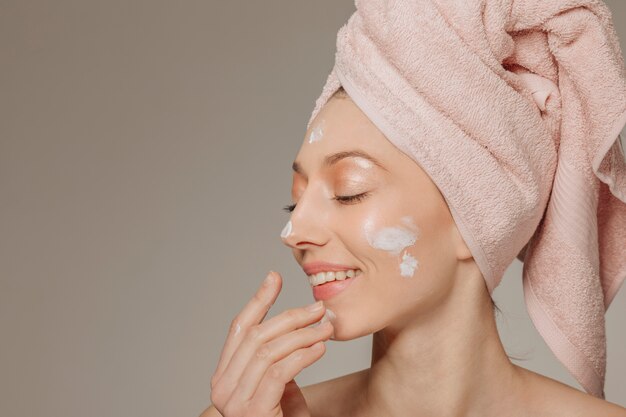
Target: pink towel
513, 107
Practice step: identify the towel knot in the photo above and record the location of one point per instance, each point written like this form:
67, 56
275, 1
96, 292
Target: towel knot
540, 88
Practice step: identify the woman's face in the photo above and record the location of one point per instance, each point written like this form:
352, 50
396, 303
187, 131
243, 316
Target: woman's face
399, 233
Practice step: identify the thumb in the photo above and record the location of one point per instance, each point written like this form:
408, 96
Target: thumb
293, 402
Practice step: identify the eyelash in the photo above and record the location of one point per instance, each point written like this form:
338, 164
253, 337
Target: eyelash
343, 199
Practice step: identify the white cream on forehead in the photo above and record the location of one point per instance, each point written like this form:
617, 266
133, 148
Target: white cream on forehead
286, 230
316, 133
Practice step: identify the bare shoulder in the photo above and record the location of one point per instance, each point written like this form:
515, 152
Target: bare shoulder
583, 405
552, 397
331, 398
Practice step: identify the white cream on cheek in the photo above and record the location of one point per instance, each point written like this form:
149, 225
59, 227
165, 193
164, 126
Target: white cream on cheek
390, 239
408, 265
394, 240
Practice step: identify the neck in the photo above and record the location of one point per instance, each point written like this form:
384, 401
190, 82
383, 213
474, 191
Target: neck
449, 364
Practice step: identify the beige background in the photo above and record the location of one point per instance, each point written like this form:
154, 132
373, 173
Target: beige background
145, 151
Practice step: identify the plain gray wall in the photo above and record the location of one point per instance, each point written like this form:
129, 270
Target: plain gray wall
145, 152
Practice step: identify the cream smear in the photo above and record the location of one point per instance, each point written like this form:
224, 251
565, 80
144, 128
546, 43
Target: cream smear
286, 230
408, 265
329, 315
316, 133
394, 240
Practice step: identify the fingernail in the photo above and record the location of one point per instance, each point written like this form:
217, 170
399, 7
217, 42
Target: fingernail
315, 306
323, 325
269, 279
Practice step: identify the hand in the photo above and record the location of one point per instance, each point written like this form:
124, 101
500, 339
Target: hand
259, 361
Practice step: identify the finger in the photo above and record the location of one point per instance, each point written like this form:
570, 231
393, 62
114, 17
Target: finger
272, 386
293, 403
253, 313
274, 351
285, 322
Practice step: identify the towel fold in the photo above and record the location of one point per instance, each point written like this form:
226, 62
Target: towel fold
514, 109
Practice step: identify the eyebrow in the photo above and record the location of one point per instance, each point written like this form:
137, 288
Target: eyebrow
330, 160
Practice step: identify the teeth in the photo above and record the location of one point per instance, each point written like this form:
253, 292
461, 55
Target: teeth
322, 277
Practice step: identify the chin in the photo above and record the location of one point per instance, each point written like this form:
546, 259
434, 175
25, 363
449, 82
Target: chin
345, 336
347, 329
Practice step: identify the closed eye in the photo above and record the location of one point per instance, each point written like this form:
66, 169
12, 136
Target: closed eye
343, 199
351, 198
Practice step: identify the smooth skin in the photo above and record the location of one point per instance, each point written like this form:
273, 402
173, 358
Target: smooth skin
436, 350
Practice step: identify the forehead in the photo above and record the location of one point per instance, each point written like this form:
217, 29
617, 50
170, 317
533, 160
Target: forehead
342, 126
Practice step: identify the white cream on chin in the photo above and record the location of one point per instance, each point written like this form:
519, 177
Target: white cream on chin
329, 315
316, 133
286, 230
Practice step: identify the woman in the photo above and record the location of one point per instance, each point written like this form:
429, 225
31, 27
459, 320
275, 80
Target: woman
371, 220
436, 349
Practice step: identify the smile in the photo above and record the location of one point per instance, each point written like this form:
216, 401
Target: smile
330, 289
329, 276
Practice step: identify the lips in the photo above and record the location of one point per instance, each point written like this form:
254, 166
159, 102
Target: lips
331, 289
315, 267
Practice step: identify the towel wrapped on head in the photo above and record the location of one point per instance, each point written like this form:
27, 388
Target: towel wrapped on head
514, 109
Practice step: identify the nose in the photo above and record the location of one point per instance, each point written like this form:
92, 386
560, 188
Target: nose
308, 224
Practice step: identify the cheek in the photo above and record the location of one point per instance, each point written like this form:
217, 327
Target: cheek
394, 243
